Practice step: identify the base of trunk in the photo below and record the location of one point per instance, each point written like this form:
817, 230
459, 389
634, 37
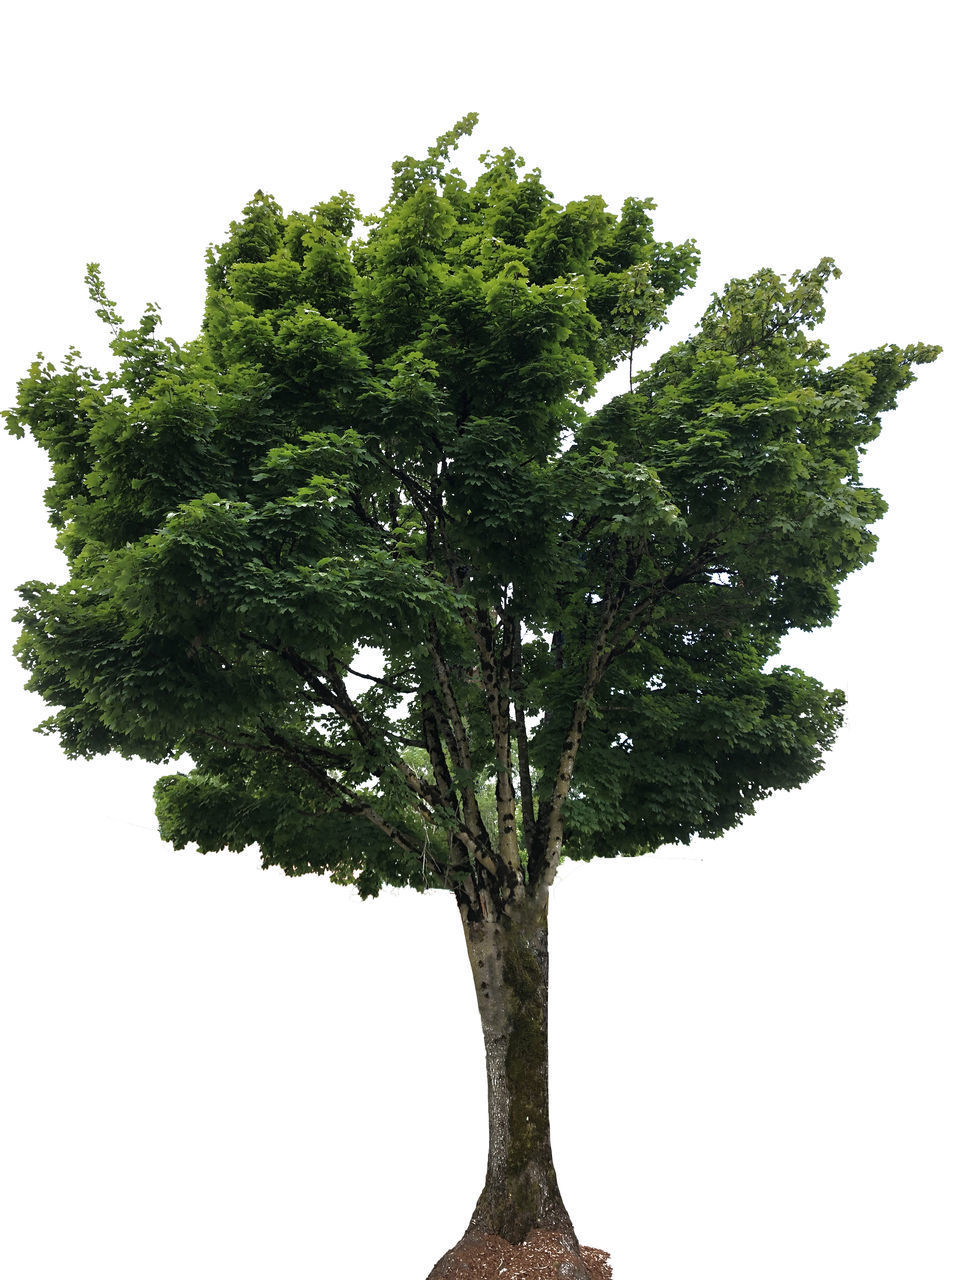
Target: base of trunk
544, 1255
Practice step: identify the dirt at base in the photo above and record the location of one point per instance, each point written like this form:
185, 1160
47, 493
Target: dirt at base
542, 1256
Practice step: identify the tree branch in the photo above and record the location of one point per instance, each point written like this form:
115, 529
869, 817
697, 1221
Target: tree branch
548, 842
526, 783
451, 725
330, 690
545, 855
349, 802
452, 721
386, 684
495, 673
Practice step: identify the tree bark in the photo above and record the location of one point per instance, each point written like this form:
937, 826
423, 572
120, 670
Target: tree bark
509, 960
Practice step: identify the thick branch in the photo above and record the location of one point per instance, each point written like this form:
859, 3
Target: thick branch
455, 737
452, 720
523, 754
430, 717
424, 852
330, 690
348, 801
495, 674
548, 842
549, 835
526, 783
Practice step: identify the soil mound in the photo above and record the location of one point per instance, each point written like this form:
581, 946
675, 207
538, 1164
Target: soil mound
542, 1256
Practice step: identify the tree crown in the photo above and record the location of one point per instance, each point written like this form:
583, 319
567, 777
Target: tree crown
414, 613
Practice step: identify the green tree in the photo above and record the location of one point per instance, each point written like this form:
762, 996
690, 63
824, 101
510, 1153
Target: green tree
408, 612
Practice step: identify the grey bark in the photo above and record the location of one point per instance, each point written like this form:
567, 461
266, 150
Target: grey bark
509, 960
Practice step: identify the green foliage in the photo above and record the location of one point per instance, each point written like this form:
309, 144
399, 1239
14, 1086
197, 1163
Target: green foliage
380, 442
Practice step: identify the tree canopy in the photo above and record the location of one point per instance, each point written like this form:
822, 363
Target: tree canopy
362, 556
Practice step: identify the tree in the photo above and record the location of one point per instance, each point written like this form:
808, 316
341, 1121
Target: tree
410, 614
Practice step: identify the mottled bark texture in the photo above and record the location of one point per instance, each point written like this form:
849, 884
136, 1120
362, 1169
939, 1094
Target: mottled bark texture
509, 960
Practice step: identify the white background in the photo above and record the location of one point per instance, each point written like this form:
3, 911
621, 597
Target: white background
216, 1073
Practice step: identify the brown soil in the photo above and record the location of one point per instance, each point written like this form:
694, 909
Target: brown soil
542, 1256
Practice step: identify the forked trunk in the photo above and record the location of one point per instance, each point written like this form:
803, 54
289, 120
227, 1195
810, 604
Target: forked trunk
508, 957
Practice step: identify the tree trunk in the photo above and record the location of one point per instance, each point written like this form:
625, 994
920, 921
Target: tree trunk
508, 957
